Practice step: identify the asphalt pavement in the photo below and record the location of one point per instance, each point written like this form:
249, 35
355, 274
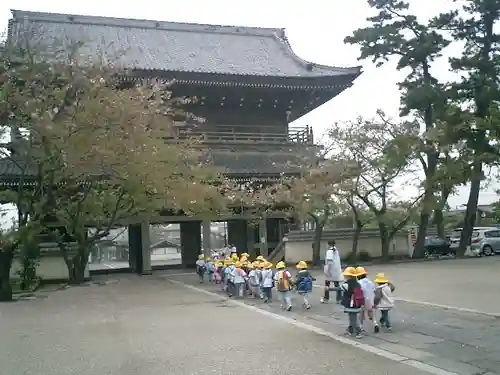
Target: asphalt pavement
148, 325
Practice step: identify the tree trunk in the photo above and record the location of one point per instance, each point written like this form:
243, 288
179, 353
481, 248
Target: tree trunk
355, 238
6, 258
318, 233
438, 212
384, 240
470, 212
421, 234
439, 221
77, 265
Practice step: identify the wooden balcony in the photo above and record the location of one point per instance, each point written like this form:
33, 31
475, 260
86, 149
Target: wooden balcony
296, 135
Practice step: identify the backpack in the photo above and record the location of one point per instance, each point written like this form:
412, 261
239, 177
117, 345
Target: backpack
305, 284
378, 296
210, 267
283, 282
357, 298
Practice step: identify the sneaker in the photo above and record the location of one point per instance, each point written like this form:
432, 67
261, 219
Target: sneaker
359, 336
308, 307
289, 308
389, 329
322, 300
376, 329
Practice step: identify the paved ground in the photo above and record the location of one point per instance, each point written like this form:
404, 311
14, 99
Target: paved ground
461, 342
147, 325
463, 283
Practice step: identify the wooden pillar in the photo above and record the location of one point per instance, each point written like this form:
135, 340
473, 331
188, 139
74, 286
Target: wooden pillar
190, 242
237, 234
139, 248
207, 238
251, 239
263, 237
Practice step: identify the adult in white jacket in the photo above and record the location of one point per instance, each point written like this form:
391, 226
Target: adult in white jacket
333, 272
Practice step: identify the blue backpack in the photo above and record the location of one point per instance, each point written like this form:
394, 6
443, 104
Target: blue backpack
210, 267
305, 284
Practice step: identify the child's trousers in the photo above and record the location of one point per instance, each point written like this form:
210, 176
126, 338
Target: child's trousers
230, 289
286, 299
239, 289
354, 326
255, 289
385, 319
305, 297
267, 292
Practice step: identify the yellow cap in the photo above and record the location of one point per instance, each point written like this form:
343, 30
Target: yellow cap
245, 255
237, 264
301, 265
201, 257
260, 257
360, 271
380, 278
350, 271
280, 265
268, 265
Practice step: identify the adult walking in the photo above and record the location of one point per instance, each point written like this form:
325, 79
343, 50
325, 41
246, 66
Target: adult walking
333, 272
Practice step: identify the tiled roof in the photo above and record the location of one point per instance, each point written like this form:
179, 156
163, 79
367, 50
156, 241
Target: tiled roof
167, 46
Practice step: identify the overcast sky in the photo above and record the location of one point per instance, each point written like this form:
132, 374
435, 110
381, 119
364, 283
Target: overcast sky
315, 29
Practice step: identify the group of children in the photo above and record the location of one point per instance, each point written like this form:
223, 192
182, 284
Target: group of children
361, 297
239, 277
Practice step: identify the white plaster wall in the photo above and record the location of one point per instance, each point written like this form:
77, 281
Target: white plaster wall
50, 268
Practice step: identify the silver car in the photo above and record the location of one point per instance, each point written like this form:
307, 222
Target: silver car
486, 242
478, 233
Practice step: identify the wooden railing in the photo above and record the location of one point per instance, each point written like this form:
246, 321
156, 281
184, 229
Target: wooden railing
295, 135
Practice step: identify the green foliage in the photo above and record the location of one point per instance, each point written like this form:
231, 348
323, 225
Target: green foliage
377, 153
95, 153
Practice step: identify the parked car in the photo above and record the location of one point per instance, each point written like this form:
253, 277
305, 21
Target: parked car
455, 235
486, 242
436, 246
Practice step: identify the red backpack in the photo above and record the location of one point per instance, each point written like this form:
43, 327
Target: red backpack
357, 299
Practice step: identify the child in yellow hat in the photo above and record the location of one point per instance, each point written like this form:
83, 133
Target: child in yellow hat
201, 268
304, 283
284, 284
384, 300
368, 288
267, 282
229, 278
253, 280
259, 266
219, 267
352, 300
239, 280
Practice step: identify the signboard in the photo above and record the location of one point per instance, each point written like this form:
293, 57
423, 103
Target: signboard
412, 240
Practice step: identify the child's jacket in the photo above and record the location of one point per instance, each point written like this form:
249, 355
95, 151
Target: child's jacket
384, 294
304, 282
